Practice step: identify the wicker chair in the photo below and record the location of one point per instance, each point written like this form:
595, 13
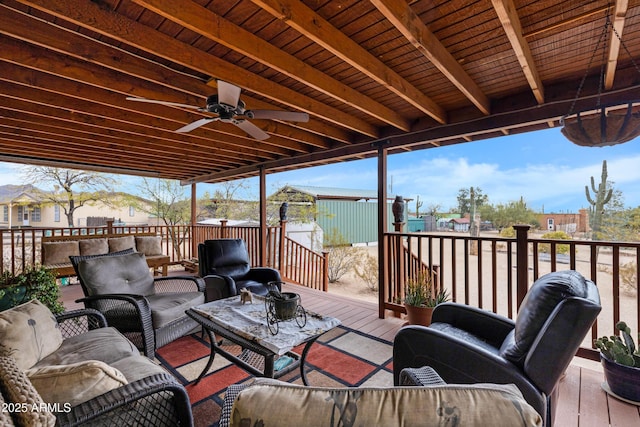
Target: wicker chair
149, 311
156, 400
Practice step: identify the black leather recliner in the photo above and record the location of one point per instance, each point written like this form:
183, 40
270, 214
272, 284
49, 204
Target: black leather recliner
469, 345
224, 265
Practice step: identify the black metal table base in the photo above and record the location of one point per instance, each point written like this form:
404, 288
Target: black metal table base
269, 357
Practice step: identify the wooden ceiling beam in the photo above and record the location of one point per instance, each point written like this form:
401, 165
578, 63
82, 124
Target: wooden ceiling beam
107, 75
111, 140
74, 110
52, 149
510, 21
413, 29
153, 114
311, 25
619, 13
108, 23
214, 27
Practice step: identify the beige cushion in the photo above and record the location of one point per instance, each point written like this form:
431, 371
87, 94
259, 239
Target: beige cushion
16, 388
149, 245
93, 246
117, 244
28, 332
59, 252
121, 274
469, 405
75, 383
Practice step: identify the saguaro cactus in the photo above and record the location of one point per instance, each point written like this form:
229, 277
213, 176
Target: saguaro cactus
602, 195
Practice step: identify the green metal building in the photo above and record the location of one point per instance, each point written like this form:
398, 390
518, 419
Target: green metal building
352, 213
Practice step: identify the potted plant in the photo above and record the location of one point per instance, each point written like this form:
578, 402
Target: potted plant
421, 298
620, 359
32, 283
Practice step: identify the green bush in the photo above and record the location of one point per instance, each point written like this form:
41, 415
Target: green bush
555, 235
40, 284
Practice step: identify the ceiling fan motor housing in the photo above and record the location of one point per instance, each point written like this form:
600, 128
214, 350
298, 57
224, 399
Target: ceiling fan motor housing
213, 106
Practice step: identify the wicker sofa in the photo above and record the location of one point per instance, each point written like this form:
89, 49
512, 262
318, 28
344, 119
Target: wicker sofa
56, 250
72, 369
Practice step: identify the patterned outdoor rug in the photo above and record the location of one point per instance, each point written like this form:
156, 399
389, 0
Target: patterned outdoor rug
342, 357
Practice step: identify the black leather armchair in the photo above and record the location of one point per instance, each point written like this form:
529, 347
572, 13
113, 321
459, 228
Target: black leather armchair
469, 345
224, 265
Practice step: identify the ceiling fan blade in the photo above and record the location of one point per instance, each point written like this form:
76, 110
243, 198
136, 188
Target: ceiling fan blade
290, 116
196, 124
155, 101
228, 94
251, 129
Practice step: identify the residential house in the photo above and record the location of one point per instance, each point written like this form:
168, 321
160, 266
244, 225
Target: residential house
22, 206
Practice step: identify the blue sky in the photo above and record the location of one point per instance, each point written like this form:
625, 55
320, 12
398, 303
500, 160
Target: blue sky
546, 169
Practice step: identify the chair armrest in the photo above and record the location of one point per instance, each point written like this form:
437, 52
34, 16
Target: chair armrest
77, 322
216, 287
178, 284
157, 400
482, 323
118, 308
263, 275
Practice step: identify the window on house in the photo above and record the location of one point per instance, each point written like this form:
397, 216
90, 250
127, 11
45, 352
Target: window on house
20, 212
56, 213
5, 213
132, 211
36, 214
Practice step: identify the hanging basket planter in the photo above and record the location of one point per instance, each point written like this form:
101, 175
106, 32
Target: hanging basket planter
603, 129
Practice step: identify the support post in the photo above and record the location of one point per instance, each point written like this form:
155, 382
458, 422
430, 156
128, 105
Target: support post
194, 207
263, 217
522, 260
283, 234
383, 257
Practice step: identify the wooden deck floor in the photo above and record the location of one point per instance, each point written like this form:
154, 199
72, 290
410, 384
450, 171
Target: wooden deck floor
582, 402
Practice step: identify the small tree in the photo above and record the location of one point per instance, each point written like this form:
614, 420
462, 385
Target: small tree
166, 200
72, 188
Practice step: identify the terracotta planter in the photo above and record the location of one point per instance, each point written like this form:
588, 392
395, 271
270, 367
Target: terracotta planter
419, 315
623, 381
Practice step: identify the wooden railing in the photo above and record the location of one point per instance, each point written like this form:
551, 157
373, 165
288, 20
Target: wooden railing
21, 248
494, 274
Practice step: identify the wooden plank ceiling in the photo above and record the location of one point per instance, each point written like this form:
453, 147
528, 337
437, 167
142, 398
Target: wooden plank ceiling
416, 75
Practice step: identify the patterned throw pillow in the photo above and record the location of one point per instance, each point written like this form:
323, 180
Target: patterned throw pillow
75, 383
498, 405
17, 389
29, 332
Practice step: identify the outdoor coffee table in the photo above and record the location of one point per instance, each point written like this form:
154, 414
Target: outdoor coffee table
246, 326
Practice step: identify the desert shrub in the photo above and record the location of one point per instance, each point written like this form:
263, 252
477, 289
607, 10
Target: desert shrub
555, 235
508, 232
367, 270
629, 276
342, 257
